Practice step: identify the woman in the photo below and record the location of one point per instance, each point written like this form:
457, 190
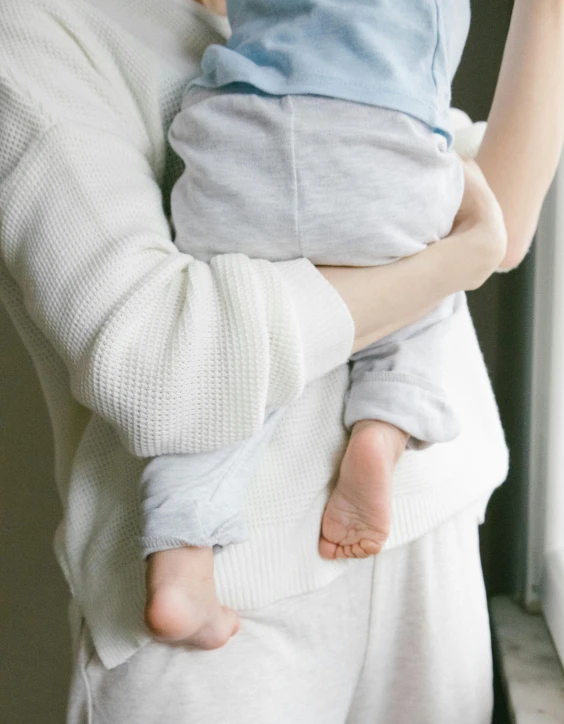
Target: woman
118, 320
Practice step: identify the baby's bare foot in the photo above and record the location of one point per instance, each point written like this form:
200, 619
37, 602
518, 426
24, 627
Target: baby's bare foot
356, 522
182, 605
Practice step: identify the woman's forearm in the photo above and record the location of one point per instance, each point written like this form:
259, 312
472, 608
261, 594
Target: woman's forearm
399, 293
522, 145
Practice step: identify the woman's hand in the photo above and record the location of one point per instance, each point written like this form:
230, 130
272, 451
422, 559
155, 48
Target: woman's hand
383, 299
216, 6
478, 240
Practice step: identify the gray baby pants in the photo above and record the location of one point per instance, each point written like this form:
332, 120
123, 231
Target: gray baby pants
339, 183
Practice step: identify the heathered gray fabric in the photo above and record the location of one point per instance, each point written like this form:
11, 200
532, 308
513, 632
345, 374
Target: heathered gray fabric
280, 178
400, 638
337, 182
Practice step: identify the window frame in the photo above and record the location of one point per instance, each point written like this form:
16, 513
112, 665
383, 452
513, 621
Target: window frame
544, 586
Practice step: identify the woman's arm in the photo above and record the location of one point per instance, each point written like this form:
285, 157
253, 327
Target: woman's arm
176, 354
518, 158
384, 299
523, 141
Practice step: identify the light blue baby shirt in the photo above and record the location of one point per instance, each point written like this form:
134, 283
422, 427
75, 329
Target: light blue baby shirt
398, 54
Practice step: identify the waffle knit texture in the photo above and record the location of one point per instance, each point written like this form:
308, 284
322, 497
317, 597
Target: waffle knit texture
141, 350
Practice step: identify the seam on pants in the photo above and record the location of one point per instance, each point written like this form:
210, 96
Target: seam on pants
291, 108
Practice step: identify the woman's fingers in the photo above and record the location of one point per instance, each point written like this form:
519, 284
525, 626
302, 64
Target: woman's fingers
479, 202
480, 220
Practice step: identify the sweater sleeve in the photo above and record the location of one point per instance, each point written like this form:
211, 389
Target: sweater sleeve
180, 356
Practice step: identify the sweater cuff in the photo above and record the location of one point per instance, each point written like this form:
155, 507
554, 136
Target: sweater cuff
324, 321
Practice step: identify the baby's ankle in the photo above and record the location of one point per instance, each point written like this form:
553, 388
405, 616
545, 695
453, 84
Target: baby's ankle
391, 436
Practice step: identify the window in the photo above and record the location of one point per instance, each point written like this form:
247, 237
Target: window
545, 537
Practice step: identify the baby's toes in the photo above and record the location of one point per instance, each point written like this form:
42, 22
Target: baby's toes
327, 549
370, 547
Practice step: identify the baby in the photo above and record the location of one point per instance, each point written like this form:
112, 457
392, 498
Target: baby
321, 131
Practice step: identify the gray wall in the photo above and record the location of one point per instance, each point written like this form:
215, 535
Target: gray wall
34, 645
34, 659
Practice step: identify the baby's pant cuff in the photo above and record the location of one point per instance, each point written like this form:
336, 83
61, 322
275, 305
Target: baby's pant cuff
199, 523
408, 402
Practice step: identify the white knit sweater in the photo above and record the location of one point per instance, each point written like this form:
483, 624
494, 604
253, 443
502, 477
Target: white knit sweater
142, 350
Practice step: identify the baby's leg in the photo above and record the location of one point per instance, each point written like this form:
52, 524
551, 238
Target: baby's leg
338, 183
182, 605
356, 522
396, 397
192, 503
